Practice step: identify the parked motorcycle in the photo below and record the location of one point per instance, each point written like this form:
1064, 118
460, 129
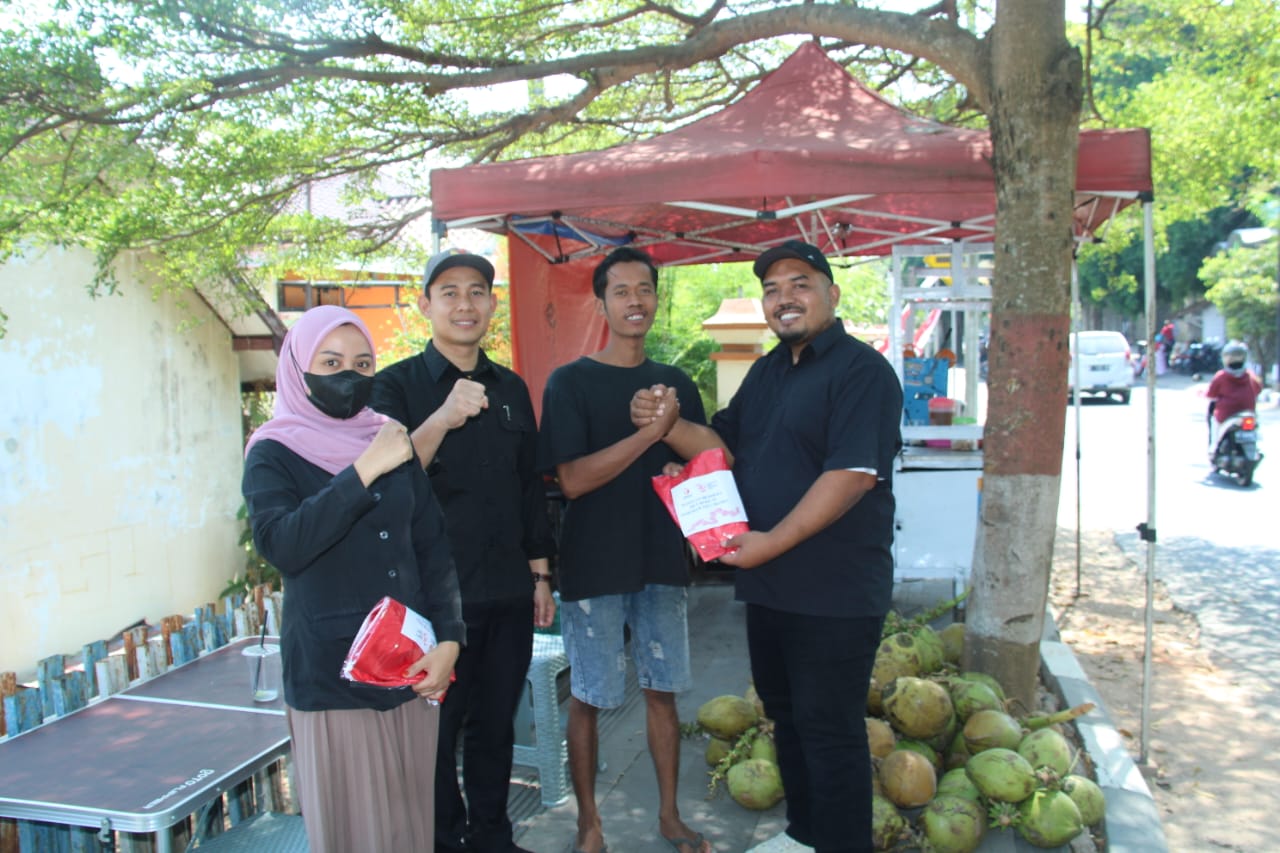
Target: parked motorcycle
1198, 359
1235, 452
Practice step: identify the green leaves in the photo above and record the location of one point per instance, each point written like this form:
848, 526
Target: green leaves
1243, 283
1202, 76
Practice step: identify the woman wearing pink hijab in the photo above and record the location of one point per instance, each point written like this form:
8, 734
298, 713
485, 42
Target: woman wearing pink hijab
341, 508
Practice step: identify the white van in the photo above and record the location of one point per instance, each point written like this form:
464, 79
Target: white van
1105, 367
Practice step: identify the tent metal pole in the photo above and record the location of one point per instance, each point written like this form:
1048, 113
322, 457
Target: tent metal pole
1076, 310
1149, 528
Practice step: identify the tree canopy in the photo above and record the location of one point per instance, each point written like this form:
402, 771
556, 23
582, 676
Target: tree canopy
1203, 77
190, 125
1242, 284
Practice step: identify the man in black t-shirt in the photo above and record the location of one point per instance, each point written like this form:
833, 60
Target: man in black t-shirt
813, 432
622, 558
472, 426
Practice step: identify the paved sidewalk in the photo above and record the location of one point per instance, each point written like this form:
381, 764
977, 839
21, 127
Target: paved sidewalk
627, 791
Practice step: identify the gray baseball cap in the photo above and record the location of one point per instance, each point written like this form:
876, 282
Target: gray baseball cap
450, 258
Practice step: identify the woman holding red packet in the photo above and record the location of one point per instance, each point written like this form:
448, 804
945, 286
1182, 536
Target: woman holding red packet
339, 505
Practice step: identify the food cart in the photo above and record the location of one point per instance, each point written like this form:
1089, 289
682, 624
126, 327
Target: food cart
938, 477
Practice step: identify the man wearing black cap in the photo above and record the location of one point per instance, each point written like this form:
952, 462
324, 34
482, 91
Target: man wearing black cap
473, 429
813, 431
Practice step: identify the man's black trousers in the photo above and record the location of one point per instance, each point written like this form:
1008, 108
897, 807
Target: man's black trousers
812, 673
479, 710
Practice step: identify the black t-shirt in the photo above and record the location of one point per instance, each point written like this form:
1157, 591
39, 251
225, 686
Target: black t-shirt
619, 537
838, 408
484, 473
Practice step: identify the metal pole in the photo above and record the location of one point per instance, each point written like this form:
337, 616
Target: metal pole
438, 230
1075, 399
1149, 528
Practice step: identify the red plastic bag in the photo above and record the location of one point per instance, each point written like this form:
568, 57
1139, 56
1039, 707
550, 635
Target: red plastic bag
392, 639
704, 501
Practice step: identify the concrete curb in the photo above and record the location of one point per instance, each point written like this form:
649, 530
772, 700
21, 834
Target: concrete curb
1133, 821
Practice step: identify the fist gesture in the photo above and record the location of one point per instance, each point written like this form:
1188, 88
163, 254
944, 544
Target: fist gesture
466, 400
389, 449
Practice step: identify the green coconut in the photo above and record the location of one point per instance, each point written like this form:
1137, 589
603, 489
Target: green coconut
932, 655
755, 783
762, 746
957, 783
1087, 796
1049, 819
875, 706
1047, 748
988, 680
991, 730
717, 749
917, 707
908, 778
880, 737
957, 752
888, 826
922, 748
943, 738
1002, 775
953, 824
952, 638
727, 716
897, 655
754, 698
970, 696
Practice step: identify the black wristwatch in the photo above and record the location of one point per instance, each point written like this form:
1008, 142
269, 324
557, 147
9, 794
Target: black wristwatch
538, 576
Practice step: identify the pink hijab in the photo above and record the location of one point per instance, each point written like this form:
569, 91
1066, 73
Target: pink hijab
328, 443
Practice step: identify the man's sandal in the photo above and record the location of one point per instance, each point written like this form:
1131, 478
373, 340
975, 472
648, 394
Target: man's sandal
693, 844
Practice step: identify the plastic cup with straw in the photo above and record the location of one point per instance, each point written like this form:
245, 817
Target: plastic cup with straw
265, 666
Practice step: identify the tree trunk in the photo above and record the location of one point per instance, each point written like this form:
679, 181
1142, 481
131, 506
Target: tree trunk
1034, 109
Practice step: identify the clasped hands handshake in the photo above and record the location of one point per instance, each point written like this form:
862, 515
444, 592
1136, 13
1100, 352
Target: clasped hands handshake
657, 409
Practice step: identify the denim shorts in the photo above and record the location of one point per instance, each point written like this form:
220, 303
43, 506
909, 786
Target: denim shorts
593, 642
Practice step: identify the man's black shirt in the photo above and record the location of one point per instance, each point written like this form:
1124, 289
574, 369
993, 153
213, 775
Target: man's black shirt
484, 473
838, 408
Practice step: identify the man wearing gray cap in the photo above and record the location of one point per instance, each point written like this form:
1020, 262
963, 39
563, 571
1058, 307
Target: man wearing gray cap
813, 431
473, 429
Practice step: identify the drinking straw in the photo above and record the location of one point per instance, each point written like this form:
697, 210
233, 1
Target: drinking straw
262, 647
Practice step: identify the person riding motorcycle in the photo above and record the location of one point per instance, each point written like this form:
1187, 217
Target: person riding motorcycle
1233, 389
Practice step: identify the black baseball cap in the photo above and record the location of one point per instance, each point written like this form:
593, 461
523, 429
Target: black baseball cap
801, 251
450, 258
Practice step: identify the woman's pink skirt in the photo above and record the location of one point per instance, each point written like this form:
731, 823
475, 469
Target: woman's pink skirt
365, 780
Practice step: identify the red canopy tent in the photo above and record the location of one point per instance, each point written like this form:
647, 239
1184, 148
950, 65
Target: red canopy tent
808, 152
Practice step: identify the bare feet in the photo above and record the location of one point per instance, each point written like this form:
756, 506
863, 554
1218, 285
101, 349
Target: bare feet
589, 840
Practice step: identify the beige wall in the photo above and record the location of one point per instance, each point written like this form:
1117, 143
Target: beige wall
119, 456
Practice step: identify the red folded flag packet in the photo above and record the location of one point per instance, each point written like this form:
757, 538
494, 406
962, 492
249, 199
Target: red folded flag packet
703, 499
392, 639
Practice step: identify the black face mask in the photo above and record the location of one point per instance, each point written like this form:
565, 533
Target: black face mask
339, 395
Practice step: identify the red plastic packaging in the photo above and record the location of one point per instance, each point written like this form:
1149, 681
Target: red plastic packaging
392, 639
704, 501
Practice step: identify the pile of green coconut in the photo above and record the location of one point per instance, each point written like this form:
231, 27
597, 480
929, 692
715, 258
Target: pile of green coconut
950, 762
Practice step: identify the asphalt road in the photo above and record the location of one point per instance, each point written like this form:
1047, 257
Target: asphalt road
1218, 545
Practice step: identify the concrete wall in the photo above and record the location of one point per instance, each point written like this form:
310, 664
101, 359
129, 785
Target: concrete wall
119, 456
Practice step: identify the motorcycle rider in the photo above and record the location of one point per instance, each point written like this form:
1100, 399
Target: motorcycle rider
1233, 389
